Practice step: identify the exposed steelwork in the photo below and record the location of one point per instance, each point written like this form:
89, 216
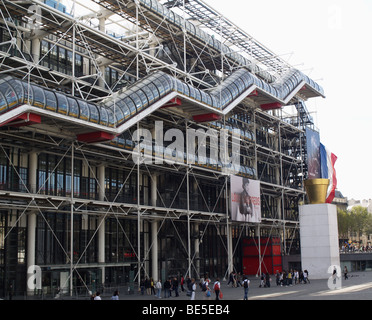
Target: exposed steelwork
78, 79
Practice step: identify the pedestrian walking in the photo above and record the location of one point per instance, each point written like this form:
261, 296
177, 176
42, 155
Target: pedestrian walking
246, 288
262, 281
207, 291
277, 277
217, 288
238, 279
306, 276
268, 280
296, 276
231, 279
345, 273
289, 278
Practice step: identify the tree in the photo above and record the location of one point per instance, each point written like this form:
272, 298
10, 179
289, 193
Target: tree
344, 223
357, 220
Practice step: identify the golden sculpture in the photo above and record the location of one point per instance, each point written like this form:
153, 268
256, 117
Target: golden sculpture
316, 190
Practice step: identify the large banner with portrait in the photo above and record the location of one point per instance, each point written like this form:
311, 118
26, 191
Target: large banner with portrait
245, 199
313, 157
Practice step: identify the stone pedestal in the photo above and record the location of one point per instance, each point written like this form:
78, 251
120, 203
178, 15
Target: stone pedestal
319, 239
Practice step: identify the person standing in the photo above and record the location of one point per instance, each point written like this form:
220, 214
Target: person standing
268, 280
167, 287
231, 279
277, 277
158, 289
188, 285
115, 295
175, 286
289, 278
238, 279
152, 286
345, 273
182, 282
217, 288
296, 276
193, 289
246, 283
306, 276
148, 286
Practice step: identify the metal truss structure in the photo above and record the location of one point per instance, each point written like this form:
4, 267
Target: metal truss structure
98, 54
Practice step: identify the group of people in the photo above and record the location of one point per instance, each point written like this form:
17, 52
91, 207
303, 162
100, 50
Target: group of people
147, 285
352, 248
189, 286
97, 296
171, 285
213, 290
291, 277
235, 279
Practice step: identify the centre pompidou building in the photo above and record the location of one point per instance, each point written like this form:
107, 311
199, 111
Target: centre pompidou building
112, 115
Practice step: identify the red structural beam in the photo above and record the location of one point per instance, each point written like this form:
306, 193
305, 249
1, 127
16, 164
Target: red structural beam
254, 93
271, 106
206, 117
25, 119
96, 136
175, 102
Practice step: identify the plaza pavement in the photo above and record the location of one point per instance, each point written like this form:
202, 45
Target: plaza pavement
357, 287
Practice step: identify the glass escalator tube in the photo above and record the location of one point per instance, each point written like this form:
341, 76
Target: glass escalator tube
154, 90
170, 17
131, 105
62, 103
135, 98
144, 101
192, 91
160, 86
206, 98
3, 103
94, 113
74, 108
84, 112
190, 27
103, 115
226, 96
115, 112
10, 94
39, 97
125, 111
18, 89
184, 89
148, 88
50, 100
111, 118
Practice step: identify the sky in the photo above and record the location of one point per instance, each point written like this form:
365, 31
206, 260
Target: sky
331, 41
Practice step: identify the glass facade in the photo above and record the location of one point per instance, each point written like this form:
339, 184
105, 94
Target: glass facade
91, 81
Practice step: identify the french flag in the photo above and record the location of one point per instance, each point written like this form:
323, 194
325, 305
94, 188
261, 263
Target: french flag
327, 170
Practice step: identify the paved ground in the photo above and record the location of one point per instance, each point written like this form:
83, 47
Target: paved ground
357, 287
